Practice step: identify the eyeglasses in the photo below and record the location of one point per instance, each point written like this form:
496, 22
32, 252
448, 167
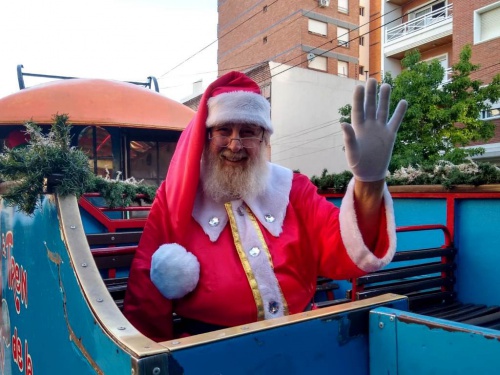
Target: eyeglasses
246, 142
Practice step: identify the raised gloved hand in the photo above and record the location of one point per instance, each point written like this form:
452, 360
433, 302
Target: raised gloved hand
370, 138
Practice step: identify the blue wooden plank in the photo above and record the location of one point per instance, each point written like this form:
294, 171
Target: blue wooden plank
427, 345
383, 342
332, 343
477, 223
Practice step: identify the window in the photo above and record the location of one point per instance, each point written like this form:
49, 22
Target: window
343, 68
361, 40
318, 27
428, 9
319, 63
362, 11
343, 6
492, 113
486, 25
149, 160
96, 143
343, 36
361, 70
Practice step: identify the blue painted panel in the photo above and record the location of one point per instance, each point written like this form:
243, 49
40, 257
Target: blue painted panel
337, 344
90, 224
478, 259
431, 346
410, 211
57, 332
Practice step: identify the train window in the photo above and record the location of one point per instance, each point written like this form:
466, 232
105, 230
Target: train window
96, 143
149, 160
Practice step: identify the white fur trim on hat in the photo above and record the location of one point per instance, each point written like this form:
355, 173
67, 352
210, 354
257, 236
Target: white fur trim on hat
239, 106
174, 271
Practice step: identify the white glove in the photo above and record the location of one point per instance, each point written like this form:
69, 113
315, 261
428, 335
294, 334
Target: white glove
370, 138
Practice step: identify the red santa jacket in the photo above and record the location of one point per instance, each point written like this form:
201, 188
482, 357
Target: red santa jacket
260, 260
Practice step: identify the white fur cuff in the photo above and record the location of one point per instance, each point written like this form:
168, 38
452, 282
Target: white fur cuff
174, 271
353, 239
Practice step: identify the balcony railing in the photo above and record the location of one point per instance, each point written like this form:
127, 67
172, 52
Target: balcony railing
420, 23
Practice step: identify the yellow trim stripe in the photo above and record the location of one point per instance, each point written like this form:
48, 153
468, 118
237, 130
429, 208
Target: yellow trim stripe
266, 249
245, 263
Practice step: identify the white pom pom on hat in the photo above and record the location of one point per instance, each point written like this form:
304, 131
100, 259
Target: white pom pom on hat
174, 271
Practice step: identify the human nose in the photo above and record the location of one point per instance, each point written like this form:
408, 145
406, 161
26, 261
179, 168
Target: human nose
236, 145
235, 141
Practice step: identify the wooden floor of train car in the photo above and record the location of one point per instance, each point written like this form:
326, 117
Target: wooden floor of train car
428, 285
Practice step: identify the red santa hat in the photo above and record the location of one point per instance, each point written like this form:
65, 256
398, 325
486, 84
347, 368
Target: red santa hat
233, 97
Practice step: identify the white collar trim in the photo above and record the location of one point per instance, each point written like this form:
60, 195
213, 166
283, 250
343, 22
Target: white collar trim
269, 207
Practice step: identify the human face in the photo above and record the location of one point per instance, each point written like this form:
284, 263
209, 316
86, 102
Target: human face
233, 172
236, 152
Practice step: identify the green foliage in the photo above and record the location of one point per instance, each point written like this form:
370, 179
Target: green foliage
443, 173
49, 155
336, 181
45, 155
123, 193
447, 174
345, 113
441, 118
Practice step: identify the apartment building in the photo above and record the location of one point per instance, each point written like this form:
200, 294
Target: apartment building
317, 34
439, 29
308, 55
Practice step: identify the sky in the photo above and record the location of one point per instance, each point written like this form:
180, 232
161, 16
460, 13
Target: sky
127, 40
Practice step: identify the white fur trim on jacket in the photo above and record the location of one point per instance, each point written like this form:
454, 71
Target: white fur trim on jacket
239, 106
174, 271
352, 238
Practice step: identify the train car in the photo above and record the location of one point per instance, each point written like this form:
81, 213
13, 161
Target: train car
123, 127
64, 269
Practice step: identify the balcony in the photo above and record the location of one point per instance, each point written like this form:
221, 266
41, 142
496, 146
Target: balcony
427, 31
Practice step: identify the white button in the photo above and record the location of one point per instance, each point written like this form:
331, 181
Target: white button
269, 218
254, 251
213, 222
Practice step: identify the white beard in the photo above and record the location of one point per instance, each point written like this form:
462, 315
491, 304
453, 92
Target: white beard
224, 183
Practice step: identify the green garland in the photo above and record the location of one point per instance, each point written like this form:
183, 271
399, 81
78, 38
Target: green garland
49, 156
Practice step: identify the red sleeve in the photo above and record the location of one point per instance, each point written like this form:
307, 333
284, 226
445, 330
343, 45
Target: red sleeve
144, 306
320, 219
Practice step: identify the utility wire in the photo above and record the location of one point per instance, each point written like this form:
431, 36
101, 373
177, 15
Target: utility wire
254, 64
300, 15
338, 132
204, 48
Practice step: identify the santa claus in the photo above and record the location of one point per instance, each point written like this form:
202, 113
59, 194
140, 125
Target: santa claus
232, 238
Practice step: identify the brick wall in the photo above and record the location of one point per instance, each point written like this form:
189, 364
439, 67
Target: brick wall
259, 31
486, 54
375, 40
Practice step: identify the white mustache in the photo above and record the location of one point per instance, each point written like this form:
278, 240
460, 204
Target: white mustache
231, 156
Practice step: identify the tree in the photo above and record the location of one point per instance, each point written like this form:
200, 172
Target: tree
441, 118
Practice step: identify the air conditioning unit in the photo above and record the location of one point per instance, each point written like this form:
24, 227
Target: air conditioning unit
323, 3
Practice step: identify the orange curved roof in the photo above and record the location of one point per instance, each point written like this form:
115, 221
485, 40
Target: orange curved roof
95, 102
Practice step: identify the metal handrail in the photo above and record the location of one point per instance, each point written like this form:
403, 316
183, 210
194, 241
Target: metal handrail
419, 23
